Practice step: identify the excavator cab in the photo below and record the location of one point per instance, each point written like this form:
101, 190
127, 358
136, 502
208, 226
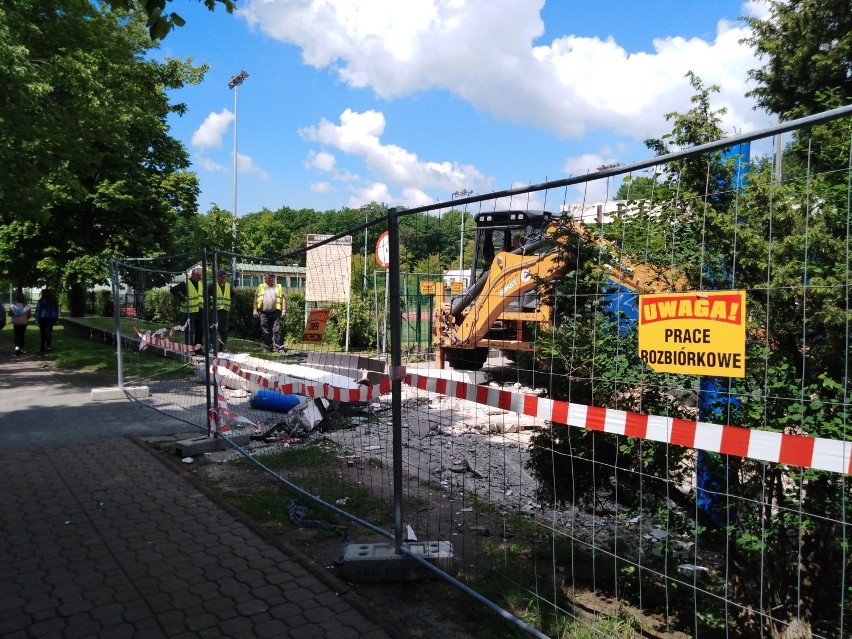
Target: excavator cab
509, 231
509, 253
504, 231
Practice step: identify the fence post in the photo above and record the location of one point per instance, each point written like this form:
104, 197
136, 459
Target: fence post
205, 322
393, 310
418, 325
116, 292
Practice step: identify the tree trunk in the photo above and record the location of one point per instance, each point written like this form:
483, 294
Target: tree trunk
76, 300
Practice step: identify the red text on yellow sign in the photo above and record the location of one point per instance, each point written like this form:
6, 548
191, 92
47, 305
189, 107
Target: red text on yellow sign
693, 333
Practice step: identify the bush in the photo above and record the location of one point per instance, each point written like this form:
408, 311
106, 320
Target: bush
361, 326
293, 324
161, 307
103, 303
241, 321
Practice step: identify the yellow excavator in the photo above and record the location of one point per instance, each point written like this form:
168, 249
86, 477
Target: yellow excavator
514, 251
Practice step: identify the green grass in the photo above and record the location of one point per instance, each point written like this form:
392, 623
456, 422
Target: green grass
82, 361
328, 486
317, 455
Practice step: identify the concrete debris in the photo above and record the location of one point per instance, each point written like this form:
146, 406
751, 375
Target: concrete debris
472, 468
313, 411
468, 448
691, 570
657, 535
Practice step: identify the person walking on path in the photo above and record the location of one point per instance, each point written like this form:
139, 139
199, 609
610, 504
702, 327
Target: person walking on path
46, 316
223, 293
191, 297
270, 306
20, 313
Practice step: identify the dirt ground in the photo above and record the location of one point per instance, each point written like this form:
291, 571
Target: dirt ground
410, 608
464, 480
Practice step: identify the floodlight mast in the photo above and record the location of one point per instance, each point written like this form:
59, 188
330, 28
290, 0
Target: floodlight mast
233, 83
462, 193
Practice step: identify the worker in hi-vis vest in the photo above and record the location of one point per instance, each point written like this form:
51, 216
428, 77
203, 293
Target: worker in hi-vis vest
223, 293
191, 297
269, 306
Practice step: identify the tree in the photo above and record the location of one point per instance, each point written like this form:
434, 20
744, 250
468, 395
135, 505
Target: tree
212, 230
759, 240
807, 46
637, 188
786, 357
85, 130
705, 174
263, 234
160, 23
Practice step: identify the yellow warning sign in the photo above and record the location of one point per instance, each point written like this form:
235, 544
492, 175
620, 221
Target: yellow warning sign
427, 288
693, 333
456, 287
315, 328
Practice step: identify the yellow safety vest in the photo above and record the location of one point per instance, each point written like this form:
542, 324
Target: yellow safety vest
194, 298
223, 298
279, 297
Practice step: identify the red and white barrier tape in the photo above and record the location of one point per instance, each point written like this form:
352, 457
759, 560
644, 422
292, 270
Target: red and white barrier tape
284, 384
222, 417
146, 339
796, 450
782, 448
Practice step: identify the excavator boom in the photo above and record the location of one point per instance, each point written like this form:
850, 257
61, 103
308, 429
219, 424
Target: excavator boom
493, 312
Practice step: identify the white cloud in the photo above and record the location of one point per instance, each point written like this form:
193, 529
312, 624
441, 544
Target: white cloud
209, 134
756, 9
245, 164
359, 135
322, 187
593, 190
380, 192
375, 192
484, 53
412, 197
322, 161
210, 165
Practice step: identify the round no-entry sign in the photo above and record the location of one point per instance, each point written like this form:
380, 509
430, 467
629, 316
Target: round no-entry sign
383, 250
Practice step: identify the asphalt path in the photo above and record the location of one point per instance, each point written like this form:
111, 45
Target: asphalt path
39, 410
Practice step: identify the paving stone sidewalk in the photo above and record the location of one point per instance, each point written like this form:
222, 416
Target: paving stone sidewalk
100, 537
104, 540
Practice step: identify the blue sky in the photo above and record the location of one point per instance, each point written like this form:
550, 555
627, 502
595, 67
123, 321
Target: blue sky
404, 103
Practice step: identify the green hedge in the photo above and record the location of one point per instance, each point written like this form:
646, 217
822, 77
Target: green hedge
161, 307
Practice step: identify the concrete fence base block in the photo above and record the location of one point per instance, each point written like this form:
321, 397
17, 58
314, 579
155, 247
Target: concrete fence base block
105, 394
201, 445
381, 562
